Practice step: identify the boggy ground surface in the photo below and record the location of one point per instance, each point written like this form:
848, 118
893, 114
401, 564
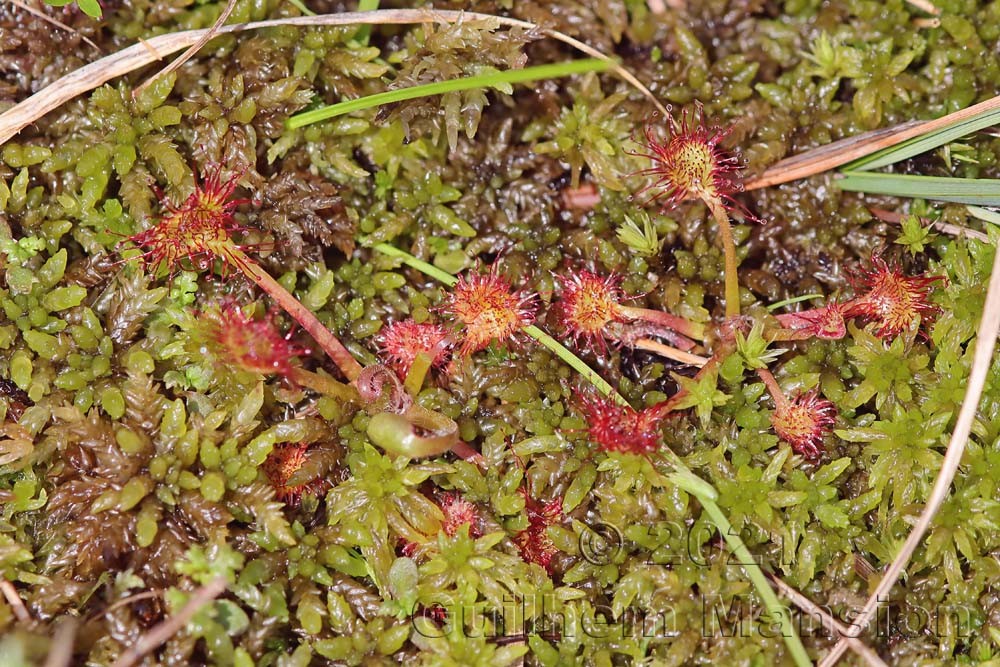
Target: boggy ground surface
134, 460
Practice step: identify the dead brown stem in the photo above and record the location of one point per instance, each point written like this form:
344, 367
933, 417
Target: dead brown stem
986, 339
835, 154
193, 49
831, 624
15, 601
144, 595
838, 153
954, 230
61, 653
669, 352
171, 626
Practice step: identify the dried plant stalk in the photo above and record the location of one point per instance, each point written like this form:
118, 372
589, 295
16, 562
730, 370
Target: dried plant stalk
838, 153
193, 49
953, 230
829, 622
168, 628
670, 352
15, 601
61, 653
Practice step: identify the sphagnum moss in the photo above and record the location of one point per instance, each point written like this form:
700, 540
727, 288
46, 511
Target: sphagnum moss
130, 464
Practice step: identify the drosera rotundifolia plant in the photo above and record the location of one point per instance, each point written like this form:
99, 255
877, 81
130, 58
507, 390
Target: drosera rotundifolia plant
340, 344
199, 232
690, 163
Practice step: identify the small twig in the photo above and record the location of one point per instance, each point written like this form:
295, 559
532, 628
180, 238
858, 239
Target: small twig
924, 22
986, 339
832, 625
669, 352
15, 601
193, 49
171, 626
48, 19
144, 595
61, 653
955, 230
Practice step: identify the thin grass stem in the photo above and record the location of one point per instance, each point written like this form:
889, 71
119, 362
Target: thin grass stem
489, 80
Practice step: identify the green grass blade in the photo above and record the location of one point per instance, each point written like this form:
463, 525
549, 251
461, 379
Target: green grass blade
777, 610
420, 265
977, 191
298, 4
985, 215
926, 142
365, 31
576, 363
704, 492
795, 299
489, 80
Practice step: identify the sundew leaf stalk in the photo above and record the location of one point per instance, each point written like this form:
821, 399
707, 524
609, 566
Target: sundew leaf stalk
95, 358
543, 338
689, 163
199, 230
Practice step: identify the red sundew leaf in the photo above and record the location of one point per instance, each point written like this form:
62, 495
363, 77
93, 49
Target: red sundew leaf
803, 423
894, 300
690, 164
488, 309
401, 342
